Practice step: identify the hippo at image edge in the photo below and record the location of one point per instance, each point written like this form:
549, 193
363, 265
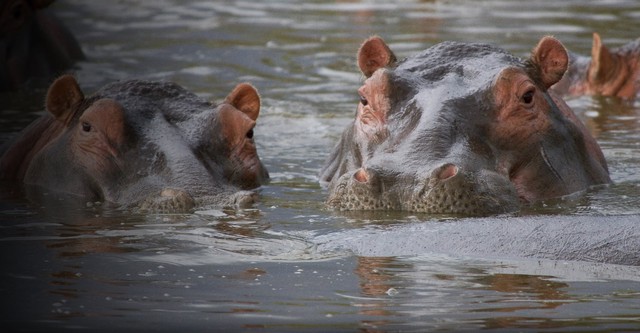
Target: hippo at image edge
614, 72
463, 129
148, 145
34, 44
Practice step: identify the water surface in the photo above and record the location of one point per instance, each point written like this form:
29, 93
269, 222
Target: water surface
288, 264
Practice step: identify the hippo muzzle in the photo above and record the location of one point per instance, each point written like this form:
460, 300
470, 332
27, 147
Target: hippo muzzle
447, 189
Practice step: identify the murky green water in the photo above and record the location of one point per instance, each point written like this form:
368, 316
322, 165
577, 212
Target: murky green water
288, 264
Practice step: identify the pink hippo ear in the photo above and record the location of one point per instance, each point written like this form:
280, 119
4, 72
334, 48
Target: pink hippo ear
551, 58
245, 98
62, 98
374, 54
603, 63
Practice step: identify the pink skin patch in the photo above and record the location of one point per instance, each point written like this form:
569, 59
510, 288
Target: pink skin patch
361, 176
448, 171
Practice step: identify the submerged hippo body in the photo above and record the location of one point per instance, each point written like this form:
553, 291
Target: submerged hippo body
151, 145
460, 128
33, 43
614, 72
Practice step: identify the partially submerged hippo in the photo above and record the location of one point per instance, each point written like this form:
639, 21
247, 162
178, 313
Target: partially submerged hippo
33, 43
614, 72
151, 145
460, 128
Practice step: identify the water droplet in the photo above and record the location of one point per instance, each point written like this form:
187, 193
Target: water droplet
392, 292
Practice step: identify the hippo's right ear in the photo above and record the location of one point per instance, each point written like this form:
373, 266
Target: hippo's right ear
603, 63
245, 98
374, 54
63, 96
552, 60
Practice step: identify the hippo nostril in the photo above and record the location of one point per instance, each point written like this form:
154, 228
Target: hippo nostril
447, 171
361, 176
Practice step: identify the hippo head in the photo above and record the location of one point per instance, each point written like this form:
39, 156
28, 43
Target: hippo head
463, 129
147, 144
614, 72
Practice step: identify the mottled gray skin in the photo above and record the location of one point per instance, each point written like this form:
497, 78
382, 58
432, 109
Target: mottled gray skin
159, 148
437, 152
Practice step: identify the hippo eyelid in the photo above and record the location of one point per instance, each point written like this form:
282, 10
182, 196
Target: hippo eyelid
363, 101
527, 97
86, 127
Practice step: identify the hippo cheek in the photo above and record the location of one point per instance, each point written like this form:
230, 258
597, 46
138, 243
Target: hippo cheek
247, 171
99, 137
450, 190
253, 175
231, 146
54, 168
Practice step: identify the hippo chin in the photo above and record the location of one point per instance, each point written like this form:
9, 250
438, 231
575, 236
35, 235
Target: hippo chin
460, 129
148, 145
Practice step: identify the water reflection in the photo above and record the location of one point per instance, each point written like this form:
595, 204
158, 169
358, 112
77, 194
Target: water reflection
547, 294
425, 289
609, 115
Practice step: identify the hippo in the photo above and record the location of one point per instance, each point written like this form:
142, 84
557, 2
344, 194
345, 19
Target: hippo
33, 43
465, 129
614, 72
148, 145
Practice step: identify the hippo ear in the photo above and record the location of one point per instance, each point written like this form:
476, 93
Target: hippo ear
374, 54
602, 61
63, 95
245, 98
551, 58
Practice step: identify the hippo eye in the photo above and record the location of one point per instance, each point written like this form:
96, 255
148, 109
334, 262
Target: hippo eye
250, 134
363, 101
527, 98
86, 126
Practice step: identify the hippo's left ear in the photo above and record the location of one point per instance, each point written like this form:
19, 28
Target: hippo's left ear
374, 54
245, 98
551, 59
63, 96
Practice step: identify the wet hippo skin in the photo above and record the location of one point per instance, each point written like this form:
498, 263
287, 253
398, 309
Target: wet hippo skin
148, 145
460, 129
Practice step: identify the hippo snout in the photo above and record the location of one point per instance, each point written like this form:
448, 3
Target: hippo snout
451, 189
446, 189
